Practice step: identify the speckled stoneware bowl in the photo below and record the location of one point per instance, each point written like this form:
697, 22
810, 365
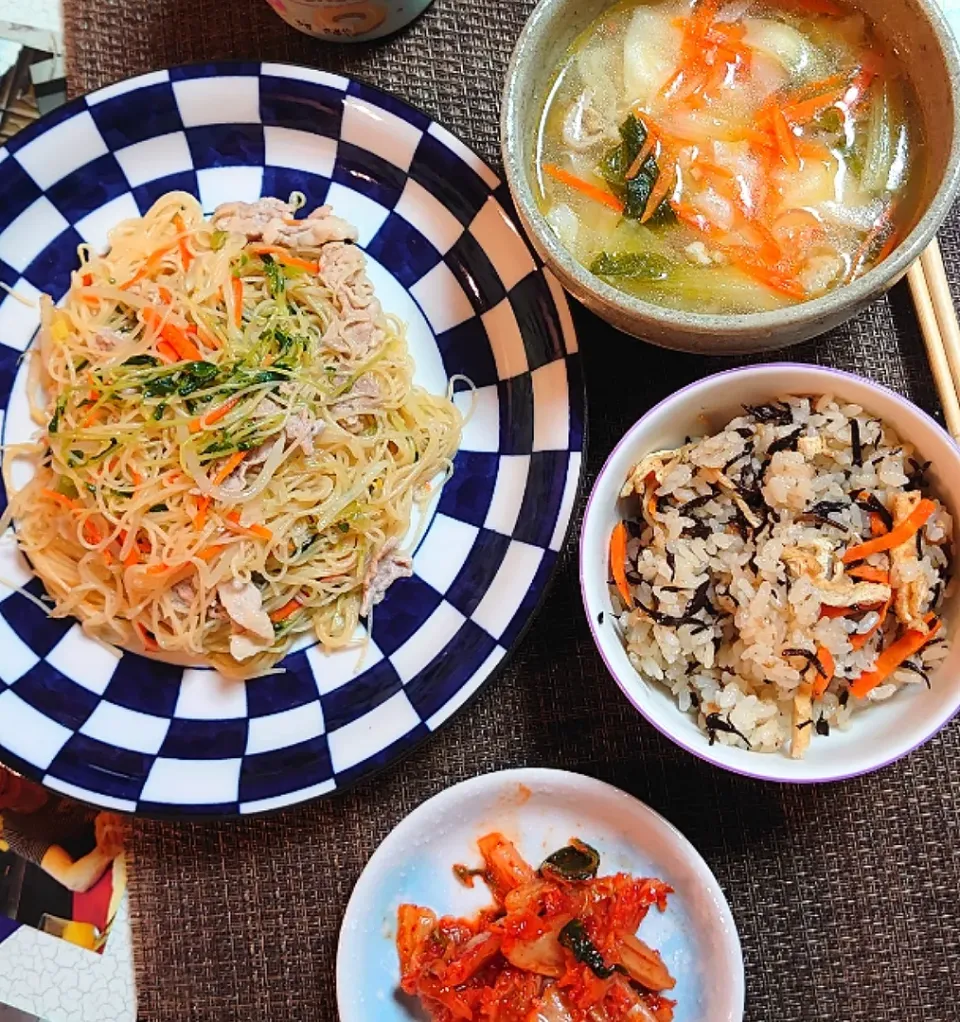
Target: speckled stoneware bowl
916, 28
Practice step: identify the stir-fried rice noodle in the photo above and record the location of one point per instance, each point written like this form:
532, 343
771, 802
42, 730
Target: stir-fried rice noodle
231, 443
746, 585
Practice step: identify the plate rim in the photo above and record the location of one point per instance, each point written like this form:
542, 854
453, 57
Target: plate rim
556, 775
180, 812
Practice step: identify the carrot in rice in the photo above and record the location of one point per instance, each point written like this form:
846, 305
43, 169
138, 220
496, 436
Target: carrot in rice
618, 562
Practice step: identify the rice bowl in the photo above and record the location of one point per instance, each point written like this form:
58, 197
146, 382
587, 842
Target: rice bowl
734, 634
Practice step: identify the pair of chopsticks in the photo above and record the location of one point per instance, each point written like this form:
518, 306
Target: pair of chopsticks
941, 331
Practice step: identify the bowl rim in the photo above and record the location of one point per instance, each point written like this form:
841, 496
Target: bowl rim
577, 279
572, 781
700, 749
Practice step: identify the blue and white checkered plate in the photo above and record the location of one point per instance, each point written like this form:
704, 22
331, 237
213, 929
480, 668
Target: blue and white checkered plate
444, 253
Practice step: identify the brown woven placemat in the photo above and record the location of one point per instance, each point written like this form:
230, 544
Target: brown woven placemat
845, 896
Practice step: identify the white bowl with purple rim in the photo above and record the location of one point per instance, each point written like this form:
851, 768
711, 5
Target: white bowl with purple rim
879, 734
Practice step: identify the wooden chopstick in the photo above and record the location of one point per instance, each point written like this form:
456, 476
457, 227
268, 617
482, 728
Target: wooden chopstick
941, 332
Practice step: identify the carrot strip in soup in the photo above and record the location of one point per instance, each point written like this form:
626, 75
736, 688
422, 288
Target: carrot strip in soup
892, 657
661, 189
584, 187
912, 524
785, 140
618, 562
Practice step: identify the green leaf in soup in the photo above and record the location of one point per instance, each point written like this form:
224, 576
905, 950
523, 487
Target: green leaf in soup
633, 265
635, 192
614, 166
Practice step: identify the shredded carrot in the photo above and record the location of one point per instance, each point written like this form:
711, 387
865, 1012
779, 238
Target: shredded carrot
859, 639
149, 642
867, 574
208, 337
645, 150
203, 505
173, 335
167, 352
892, 657
877, 528
591, 191
618, 562
888, 246
870, 239
233, 523
158, 569
213, 416
60, 498
785, 140
661, 189
773, 279
91, 417
135, 476
287, 610
237, 284
282, 255
804, 111
186, 256
693, 217
832, 612
207, 553
821, 681
896, 536
228, 466
132, 558
152, 263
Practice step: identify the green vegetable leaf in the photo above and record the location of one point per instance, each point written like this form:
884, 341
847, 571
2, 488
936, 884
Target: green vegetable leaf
158, 507
276, 280
54, 423
142, 360
576, 861
633, 265
575, 939
194, 375
218, 240
158, 411
613, 168
162, 386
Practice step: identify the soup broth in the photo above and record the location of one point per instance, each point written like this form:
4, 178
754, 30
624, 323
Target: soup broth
729, 155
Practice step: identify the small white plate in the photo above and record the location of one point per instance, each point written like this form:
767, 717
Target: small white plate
539, 810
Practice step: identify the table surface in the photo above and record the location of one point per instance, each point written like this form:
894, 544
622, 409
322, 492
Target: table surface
845, 895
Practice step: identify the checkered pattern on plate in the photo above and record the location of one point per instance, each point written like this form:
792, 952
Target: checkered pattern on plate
445, 254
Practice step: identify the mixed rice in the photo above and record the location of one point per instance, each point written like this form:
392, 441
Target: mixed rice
783, 573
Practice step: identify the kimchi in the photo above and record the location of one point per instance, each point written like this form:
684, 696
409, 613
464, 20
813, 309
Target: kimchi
558, 944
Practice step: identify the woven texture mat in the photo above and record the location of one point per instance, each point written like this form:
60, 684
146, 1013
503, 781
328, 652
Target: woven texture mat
845, 895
